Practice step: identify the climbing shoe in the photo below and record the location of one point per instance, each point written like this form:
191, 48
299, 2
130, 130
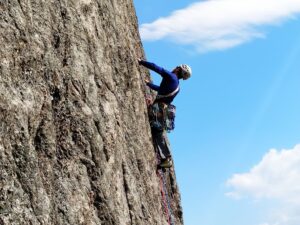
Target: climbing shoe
165, 163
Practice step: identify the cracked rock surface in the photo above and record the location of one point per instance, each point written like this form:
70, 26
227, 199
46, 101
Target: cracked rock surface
75, 143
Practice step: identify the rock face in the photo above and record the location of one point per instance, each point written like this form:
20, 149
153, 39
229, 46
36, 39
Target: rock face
75, 143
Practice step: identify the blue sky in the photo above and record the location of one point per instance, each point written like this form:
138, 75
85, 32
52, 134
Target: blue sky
236, 143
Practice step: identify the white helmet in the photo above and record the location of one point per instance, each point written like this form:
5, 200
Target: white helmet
186, 71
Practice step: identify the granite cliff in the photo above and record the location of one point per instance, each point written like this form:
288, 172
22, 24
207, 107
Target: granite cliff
75, 143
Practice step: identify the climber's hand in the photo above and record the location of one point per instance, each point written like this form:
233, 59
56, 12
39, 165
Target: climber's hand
149, 100
147, 80
139, 60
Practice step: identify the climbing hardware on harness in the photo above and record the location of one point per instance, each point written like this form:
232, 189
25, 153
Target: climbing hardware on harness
162, 116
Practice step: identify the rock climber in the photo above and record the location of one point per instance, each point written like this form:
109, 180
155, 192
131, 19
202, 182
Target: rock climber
166, 92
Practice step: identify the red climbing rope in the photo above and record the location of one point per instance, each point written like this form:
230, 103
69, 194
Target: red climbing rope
164, 192
168, 199
164, 200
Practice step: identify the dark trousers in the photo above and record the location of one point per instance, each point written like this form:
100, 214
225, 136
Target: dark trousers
161, 142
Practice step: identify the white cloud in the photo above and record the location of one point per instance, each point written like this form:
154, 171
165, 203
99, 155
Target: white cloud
275, 177
220, 24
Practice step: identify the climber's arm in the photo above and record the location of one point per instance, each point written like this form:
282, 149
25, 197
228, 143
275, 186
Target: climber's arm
152, 86
164, 73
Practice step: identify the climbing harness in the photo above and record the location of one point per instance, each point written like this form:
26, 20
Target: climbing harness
168, 95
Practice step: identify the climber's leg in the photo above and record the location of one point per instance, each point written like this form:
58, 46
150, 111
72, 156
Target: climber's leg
161, 142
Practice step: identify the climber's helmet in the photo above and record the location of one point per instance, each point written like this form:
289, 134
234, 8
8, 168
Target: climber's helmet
186, 71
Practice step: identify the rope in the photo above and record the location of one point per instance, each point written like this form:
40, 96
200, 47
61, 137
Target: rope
164, 193
164, 198
168, 200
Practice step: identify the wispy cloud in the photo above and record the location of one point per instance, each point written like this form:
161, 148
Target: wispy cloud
275, 177
220, 24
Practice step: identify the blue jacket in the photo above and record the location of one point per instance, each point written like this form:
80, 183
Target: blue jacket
168, 85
